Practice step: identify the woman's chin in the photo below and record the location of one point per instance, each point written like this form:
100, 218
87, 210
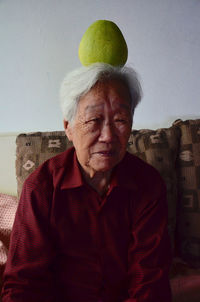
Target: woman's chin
103, 165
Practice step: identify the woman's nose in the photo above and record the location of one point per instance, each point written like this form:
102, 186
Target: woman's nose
107, 133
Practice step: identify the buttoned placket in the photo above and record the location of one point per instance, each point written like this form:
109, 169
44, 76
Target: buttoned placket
100, 206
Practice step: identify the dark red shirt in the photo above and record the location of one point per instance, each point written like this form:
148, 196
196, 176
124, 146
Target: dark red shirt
70, 245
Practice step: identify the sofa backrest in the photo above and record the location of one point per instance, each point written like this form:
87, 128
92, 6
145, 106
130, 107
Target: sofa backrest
188, 205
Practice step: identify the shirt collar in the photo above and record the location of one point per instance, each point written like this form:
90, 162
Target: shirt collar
121, 176
73, 177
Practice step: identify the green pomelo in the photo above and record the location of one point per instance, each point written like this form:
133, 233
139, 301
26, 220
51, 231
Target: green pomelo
103, 42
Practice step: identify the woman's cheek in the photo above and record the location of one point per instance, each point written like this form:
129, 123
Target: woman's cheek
124, 130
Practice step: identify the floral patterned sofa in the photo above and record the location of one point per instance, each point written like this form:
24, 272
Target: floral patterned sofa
175, 153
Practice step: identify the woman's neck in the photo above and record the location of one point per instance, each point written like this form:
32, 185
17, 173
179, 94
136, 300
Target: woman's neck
100, 181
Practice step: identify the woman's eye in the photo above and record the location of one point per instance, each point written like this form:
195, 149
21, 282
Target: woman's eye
122, 121
93, 120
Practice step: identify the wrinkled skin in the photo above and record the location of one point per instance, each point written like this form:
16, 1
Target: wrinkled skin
101, 129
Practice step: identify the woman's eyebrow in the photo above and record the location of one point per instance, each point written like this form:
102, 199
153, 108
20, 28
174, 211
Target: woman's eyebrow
93, 107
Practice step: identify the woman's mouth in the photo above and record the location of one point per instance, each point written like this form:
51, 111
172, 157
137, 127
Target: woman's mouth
105, 153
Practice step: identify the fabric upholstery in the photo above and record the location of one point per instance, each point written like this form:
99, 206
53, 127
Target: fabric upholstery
188, 212
159, 148
185, 282
8, 207
34, 148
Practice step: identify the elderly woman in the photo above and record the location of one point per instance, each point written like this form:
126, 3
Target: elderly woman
91, 224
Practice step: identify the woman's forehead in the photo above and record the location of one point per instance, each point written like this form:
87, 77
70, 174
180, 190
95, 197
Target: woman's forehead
114, 93
100, 107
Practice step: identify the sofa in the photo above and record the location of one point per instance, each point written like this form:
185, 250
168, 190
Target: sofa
174, 152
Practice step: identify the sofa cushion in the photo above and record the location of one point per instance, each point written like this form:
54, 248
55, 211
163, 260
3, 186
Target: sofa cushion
186, 288
185, 282
159, 148
188, 213
8, 206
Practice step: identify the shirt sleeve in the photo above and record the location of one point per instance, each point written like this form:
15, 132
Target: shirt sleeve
28, 273
150, 251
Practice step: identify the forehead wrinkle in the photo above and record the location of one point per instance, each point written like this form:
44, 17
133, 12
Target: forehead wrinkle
93, 107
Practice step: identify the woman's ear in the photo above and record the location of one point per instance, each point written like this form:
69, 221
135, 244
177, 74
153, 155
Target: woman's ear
68, 130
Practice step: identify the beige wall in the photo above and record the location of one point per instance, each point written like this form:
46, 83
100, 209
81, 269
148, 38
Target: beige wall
8, 183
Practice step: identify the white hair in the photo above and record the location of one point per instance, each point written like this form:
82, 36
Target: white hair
78, 82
